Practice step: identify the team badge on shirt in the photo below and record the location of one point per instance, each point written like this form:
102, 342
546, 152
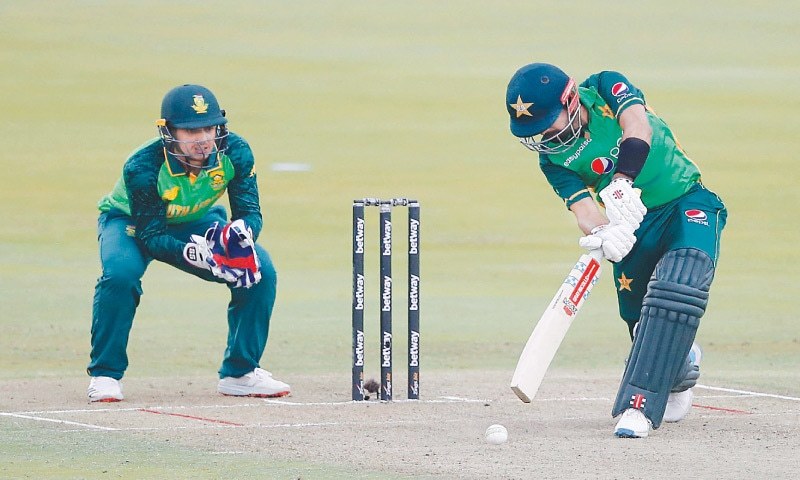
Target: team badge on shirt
218, 180
606, 111
601, 165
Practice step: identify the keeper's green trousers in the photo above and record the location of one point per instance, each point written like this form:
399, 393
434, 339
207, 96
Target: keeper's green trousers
119, 290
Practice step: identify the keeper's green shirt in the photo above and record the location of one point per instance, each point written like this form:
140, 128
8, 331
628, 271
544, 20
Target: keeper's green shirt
589, 165
156, 191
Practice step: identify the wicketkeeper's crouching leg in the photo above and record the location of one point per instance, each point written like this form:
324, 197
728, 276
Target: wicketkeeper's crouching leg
676, 299
249, 314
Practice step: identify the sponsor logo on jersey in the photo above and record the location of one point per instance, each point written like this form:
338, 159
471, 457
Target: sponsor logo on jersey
200, 105
620, 92
696, 216
577, 152
618, 89
171, 194
602, 165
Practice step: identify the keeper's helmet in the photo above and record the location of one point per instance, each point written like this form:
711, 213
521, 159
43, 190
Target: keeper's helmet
191, 106
536, 96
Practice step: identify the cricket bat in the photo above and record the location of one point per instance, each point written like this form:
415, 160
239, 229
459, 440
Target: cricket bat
553, 325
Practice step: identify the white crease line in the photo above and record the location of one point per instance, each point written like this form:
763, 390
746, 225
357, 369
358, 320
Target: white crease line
270, 426
369, 402
747, 392
462, 399
738, 395
574, 399
65, 422
135, 409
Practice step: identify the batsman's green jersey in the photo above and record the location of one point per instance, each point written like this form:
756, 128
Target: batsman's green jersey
682, 213
589, 165
156, 191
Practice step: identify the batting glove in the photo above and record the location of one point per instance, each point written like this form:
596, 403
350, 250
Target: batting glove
198, 253
623, 203
615, 240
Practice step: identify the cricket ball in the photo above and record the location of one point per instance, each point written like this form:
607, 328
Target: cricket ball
496, 434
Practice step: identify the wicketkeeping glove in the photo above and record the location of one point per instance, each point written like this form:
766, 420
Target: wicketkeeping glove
615, 240
240, 253
198, 253
623, 203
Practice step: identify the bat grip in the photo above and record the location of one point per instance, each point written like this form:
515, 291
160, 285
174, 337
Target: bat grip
597, 254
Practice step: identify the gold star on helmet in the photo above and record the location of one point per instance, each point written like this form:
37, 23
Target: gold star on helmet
521, 107
606, 111
624, 283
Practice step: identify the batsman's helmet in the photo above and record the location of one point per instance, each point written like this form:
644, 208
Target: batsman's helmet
536, 96
191, 106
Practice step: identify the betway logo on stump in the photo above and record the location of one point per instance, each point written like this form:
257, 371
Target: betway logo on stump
386, 351
359, 348
413, 293
387, 294
359, 247
413, 236
387, 239
359, 292
413, 350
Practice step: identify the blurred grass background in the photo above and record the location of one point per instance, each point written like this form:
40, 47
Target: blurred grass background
387, 99
381, 99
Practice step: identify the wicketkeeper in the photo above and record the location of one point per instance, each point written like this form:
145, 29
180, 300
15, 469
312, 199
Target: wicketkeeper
661, 226
163, 208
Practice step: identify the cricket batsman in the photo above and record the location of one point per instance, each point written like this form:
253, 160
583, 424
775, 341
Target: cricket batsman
599, 142
163, 208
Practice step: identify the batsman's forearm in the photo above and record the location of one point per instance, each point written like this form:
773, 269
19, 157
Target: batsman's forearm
587, 215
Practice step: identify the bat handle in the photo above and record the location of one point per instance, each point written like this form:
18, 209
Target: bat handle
597, 254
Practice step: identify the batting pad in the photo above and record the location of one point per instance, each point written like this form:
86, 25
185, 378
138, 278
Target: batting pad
676, 298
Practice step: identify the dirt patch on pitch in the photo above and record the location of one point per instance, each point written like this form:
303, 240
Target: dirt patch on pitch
564, 433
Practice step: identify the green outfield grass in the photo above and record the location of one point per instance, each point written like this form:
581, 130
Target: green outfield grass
385, 99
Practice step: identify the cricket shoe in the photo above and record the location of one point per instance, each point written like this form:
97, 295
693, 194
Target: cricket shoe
680, 403
104, 389
632, 424
678, 406
258, 383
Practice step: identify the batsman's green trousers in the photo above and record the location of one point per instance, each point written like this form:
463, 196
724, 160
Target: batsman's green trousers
119, 290
693, 220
